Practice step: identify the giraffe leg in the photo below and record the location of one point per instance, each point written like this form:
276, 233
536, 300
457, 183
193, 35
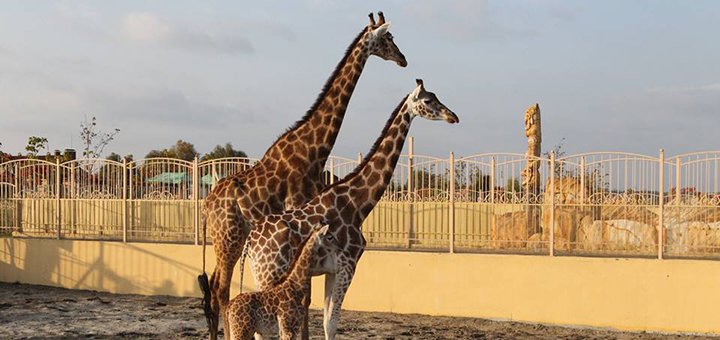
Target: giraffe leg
214, 305
329, 284
305, 325
223, 292
334, 302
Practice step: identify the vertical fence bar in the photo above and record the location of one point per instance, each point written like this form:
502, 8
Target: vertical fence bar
451, 218
359, 158
196, 199
661, 195
73, 199
332, 171
18, 208
57, 198
411, 196
492, 179
552, 204
582, 180
124, 200
130, 215
214, 176
491, 209
678, 186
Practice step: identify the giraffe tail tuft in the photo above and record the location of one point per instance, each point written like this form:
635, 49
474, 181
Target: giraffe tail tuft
205, 288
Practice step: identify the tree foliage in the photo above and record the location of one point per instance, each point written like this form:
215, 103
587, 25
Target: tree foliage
181, 150
94, 141
223, 152
35, 144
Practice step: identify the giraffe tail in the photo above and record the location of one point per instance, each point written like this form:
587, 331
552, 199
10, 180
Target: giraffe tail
205, 288
204, 282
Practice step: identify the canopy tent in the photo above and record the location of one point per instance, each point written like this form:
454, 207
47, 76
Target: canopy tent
177, 178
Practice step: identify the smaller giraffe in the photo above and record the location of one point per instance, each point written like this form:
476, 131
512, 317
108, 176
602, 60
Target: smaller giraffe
280, 307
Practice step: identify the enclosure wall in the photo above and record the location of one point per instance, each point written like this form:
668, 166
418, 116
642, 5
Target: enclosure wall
627, 294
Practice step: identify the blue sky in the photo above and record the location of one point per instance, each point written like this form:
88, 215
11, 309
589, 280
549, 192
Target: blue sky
609, 75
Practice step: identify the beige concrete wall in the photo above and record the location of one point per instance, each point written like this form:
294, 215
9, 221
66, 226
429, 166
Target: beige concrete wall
628, 294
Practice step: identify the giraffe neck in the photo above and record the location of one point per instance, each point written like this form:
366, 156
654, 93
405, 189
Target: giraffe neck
300, 269
319, 128
371, 178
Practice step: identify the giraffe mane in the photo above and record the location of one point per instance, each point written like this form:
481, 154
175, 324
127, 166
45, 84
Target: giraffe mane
325, 89
373, 149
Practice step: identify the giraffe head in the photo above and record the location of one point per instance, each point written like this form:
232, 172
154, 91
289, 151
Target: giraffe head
326, 239
425, 104
379, 41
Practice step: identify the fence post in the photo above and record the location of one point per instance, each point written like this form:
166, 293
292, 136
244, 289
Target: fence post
552, 204
196, 199
124, 198
411, 196
678, 186
18, 198
57, 198
582, 181
131, 196
492, 199
359, 158
214, 175
661, 196
492, 179
332, 171
451, 221
73, 199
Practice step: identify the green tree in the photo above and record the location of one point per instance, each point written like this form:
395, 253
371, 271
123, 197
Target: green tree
513, 185
94, 141
181, 150
35, 144
117, 158
223, 152
114, 157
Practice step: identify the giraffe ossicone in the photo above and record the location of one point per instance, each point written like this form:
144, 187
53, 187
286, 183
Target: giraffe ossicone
276, 238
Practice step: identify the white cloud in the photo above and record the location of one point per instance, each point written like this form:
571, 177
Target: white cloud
470, 20
150, 29
145, 27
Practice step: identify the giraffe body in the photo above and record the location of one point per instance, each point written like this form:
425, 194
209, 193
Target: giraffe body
279, 308
290, 172
343, 206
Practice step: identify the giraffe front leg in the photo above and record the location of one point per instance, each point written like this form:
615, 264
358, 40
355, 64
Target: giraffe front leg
329, 285
333, 303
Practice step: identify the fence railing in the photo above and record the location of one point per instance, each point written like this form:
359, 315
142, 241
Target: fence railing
604, 203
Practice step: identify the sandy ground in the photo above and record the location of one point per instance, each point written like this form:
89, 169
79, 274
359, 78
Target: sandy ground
39, 312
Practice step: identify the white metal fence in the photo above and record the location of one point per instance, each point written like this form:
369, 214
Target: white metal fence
591, 204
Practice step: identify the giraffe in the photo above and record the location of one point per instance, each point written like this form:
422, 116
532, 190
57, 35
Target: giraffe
344, 206
281, 306
289, 174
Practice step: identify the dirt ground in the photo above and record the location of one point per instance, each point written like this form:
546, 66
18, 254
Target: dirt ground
40, 312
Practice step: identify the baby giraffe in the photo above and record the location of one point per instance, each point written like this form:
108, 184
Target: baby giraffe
279, 307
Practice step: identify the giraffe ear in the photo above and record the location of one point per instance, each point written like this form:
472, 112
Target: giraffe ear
416, 92
380, 31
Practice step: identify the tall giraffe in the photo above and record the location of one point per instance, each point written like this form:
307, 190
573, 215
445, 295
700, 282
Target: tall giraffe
290, 172
276, 238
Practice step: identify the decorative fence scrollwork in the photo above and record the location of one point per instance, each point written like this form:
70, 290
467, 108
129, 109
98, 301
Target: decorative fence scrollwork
594, 203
